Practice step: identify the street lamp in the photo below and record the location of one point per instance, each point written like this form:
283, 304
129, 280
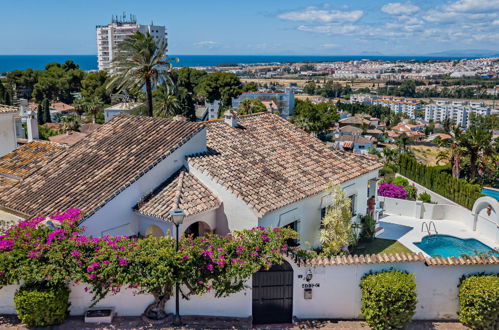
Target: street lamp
178, 216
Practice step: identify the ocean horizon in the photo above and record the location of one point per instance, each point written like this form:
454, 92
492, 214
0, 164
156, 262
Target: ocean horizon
89, 62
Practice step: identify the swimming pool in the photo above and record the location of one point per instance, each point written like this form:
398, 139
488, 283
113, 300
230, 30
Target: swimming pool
450, 246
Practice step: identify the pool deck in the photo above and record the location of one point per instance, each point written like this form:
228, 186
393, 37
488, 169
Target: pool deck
407, 231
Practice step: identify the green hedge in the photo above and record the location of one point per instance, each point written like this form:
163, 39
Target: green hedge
388, 299
458, 190
40, 305
479, 301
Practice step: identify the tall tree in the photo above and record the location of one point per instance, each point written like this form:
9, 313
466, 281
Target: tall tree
39, 114
141, 61
46, 111
250, 106
93, 106
476, 143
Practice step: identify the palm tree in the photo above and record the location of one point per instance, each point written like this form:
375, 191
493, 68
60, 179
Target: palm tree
453, 152
141, 61
476, 144
93, 106
403, 141
389, 156
167, 105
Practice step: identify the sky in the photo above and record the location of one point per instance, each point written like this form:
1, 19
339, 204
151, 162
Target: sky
279, 27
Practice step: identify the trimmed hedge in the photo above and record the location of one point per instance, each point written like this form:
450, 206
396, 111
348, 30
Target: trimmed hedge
458, 190
479, 301
388, 299
40, 305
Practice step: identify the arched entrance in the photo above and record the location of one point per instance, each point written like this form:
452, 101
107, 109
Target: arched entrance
273, 295
488, 203
198, 228
154, 231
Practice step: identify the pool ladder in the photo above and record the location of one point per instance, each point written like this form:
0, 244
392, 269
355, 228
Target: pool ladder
427, 226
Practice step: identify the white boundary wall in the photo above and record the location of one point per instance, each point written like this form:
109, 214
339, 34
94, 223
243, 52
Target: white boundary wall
339, 297
335, 294
127, 303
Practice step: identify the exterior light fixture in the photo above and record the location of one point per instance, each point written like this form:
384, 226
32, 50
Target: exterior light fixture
309, 276
178, 216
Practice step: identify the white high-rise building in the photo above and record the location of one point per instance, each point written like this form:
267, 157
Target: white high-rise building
458, 111
109, 36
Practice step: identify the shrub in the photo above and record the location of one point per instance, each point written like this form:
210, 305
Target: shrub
388, 299
412, 192
368, 227
391, 190
424, 197
400, 181
479, 301
387, 173
41, 305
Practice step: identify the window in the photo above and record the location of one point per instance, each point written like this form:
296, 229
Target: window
294, 226
353, 198
323, 214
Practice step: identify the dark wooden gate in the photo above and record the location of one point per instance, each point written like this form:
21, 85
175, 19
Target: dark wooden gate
273, 295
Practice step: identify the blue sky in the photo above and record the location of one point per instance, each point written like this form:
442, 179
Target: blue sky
288, 27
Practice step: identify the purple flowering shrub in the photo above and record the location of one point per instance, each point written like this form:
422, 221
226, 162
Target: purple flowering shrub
391, 190
32, 252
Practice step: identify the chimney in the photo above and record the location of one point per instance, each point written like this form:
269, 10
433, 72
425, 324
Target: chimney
231, 118
32, 125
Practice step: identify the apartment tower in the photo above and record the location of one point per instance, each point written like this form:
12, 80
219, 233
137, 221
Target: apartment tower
109, 36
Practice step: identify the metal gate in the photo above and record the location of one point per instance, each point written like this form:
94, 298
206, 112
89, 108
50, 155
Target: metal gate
273, 295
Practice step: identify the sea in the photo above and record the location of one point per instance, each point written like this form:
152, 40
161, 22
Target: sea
89, 62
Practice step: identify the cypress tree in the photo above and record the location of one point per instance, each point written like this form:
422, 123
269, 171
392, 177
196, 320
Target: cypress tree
46, 111
39, 115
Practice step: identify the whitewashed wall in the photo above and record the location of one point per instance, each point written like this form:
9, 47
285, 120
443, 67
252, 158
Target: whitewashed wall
8, 139
129, 304
338, 295
487, 225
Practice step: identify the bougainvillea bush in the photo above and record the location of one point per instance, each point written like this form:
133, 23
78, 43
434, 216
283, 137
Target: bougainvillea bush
391, 190
31, 251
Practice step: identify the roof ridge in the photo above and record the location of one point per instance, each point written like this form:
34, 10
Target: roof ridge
239, 116
178, 193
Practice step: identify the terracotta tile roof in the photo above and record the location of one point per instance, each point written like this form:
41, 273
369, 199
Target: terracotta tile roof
27, 159
8, 108
182, 191
269, 163
61, 106
93, 172
354, 139
351, 129
393, 258
354, 121
69, 138
89, 128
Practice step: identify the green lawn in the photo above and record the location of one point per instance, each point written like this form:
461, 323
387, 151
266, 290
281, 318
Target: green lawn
378, 246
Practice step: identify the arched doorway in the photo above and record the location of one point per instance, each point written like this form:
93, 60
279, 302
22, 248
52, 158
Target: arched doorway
154, 231
197, 229
490, 204
273, 295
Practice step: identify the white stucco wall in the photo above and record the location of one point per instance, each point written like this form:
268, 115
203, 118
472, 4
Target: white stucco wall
308, 210
236, 213
117, 216
339, 297
8, 140
128, 303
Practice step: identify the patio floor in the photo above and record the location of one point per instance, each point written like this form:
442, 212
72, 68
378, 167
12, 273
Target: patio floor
407, 231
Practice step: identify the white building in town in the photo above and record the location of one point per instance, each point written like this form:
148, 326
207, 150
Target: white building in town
285, 100
8, 138
397, 104
124, 107
228, 174
110, 35
458, 111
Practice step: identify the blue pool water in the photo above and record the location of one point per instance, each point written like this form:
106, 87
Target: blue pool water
491, 192
450, 246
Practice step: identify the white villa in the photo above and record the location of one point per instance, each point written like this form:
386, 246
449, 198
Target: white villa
226, 175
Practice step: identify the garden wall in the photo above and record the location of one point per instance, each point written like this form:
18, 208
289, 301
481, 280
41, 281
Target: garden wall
129, 304
336, 292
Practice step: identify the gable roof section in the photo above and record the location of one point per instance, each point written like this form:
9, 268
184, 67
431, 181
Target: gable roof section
27, 159
94, 171
269, 163
182, 191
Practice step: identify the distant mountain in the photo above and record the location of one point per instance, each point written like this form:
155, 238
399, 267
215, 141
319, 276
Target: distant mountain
367, 53
467, 53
